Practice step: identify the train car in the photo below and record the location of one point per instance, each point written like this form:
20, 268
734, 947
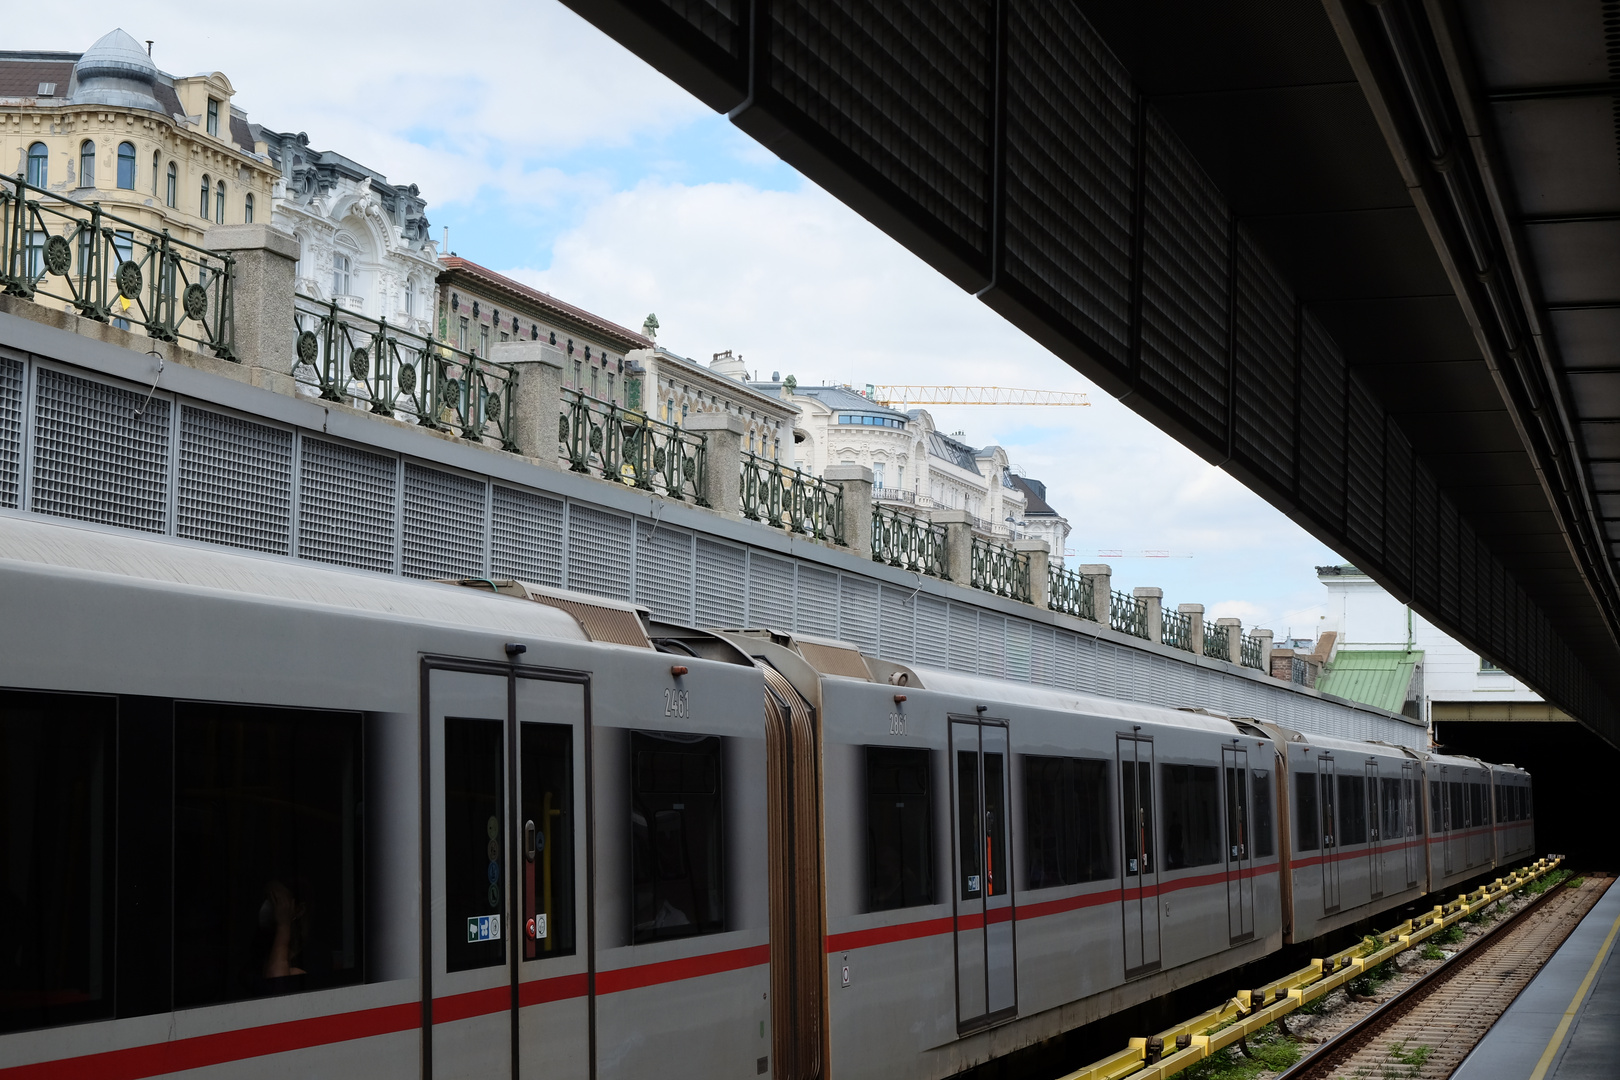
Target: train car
1354, 831
1514, 834
1457, 793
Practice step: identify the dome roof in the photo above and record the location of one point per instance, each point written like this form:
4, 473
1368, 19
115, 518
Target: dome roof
116, 71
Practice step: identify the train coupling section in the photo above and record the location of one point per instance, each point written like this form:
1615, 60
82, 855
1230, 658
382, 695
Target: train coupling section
1155, 1057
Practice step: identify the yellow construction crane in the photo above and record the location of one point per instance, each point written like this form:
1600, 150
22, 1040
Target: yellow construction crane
969, 395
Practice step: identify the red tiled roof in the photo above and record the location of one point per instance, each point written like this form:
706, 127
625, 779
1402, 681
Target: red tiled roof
629, 339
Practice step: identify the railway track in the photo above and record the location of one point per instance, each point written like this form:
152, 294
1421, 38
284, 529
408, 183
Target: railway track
1425, 1030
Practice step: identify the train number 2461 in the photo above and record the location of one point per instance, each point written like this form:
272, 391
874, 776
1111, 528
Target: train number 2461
675, 703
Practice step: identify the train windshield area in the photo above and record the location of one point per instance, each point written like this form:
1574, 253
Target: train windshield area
677, 858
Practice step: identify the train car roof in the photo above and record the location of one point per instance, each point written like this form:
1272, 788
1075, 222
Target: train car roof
1333, 742
63, 546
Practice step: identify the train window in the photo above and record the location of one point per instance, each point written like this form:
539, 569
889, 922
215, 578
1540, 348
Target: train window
56, 845
1479, 804
474, 842
1066, 821
1454, 805
1389, 802
1352, 811
267, 852
977, 832
1437, 812
677, 851
1411, 789
1305, 802
547, 869
1136, 797
1261, 786
1192, 814
899, 829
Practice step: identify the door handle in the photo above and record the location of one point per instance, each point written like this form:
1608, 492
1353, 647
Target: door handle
528, 840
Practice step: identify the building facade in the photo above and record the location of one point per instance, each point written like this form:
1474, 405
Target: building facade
107, 126
685, 386
363, 243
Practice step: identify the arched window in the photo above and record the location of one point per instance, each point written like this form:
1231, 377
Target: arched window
87, 163
207, 190
219, 203
340, 275
38, 164
247, 209
172, 192
126, 166
156, 155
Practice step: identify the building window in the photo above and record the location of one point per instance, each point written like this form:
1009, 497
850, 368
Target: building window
1488, 667
899, 829
126, 166
219, 203
410, 298
461, 336
877, 475
213, 117
340, 275
900, 478
172, 190
207, 190
87, 163
247, 209
483, 340
38, 164
677, 828
156, 174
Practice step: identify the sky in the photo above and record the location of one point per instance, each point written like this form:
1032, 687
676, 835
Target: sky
555, 156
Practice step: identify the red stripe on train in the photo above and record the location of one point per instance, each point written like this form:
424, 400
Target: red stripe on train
690, 967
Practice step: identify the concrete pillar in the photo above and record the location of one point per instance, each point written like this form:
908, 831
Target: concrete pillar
1234, 638
537, 402
1264, 638
857, 484
1152, 599
1040, 563
1195, 626
1101, 576
722, 471
958, 543
262, 299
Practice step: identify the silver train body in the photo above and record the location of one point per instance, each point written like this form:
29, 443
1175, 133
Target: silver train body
384, 829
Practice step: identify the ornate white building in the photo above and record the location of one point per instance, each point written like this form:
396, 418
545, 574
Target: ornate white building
362, 241
684, 387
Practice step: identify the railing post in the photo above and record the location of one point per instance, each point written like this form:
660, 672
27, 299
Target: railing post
1195, 627
262, 299
857, 484
1040, 570
958, 544
1263, 637
722, 476
537, 401
1101, 576
1234, 639
1152, 600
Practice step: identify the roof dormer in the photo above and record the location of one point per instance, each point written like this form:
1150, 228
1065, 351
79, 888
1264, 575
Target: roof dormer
206, 100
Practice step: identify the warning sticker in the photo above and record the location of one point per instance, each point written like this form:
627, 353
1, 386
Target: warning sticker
484, 928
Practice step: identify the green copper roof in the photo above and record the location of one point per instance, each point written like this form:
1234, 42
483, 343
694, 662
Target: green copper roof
1377, 677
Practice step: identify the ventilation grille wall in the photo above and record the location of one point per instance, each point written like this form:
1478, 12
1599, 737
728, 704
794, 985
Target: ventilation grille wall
95, 459
346, 503
444, 524
526, 538
235, 482
11, 414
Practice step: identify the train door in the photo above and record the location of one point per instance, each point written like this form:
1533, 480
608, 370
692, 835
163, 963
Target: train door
1375, 841
1140, 854
1447, 806
986, 977
504, 877
1239, 852
1410, 824
1330, 862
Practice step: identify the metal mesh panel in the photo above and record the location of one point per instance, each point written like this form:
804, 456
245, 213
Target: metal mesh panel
346, 505
899, 624
1043, 656
526, 541
11, 413
94, 460
1364, 476
905, 87
235, 482
1184, 283
598, 552
964, 643
770, 592
1263, 336
1066, 667
1069, 155
1467, 575
1446, 545
818, 601
1321, 424
858, 612
1085, 664
1426, 538
1398, 507
665, 574
933, 631
1019, 648
721, 600
443, 524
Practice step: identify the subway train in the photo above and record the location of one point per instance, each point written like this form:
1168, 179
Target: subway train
263, 818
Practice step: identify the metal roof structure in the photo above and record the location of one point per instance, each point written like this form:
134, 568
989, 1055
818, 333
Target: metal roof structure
1360, 255
1377, 677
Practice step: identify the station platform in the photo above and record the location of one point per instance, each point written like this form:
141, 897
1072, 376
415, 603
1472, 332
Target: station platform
1566, 1023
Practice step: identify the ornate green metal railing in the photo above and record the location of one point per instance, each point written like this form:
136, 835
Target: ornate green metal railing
1070, 593
1177, 630
999, 569
369, 364
626, 446
1217, 642
113, 270
1251, 653
1127, 614
909, 541
792, 499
